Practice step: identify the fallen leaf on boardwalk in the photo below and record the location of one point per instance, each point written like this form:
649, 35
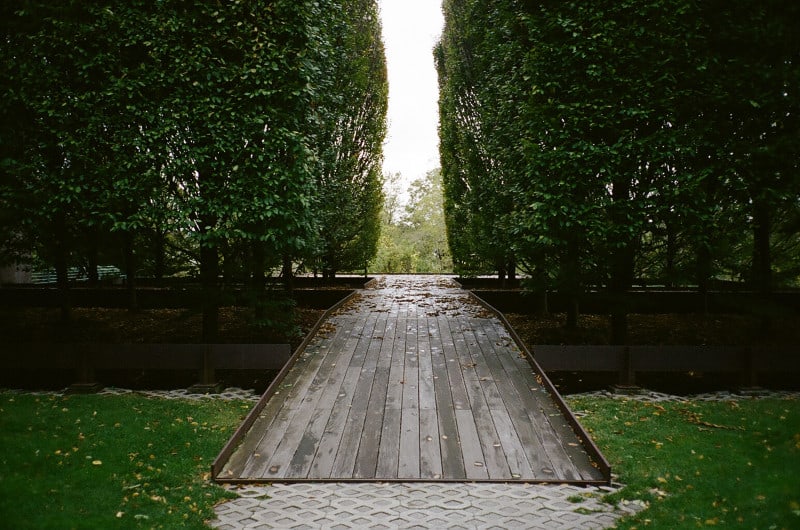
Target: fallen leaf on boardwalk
478, 464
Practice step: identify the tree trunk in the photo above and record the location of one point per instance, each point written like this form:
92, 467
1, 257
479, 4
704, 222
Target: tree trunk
622, 268
703, 271
92, 251
672, 252
570, 283
130, 270
62, 282
209, 280
288, 273
60, 262
762, 257
160, 251
259, 279
512, 269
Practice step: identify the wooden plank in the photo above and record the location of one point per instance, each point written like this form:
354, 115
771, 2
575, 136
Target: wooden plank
367, 458
394, 390
474, 461
490, 440
309, 444
427, 392
389, 451
484, 392
453, 367
408, 464
411, 367
452, 459
259, 444
345, 460
306, 448
430, 454
513, 448
344, 463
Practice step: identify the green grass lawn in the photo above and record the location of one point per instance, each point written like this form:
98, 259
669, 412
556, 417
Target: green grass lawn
700, 465
136, 462
110, 461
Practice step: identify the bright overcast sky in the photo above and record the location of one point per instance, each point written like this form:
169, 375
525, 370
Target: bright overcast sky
411, 28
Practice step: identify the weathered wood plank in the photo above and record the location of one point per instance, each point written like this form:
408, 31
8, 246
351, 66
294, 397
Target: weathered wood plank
281, 458
430, 453
457, 389
408, 464
394, 390
410, 356
452, 459
490, 439
474, 460
367, 458
389, 451
427, 392
262, 444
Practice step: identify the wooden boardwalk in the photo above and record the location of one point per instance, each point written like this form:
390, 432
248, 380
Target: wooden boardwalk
411, 380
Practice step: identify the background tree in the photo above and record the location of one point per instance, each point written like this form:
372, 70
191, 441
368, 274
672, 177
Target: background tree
352, 103
413, 237
621, 139
186, 133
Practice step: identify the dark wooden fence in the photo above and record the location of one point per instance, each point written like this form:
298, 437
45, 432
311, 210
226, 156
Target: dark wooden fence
84, 360
748, 362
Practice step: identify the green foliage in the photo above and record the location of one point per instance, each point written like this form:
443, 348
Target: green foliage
413, 240
597, 143
725, 464
110, 461
224, 139
352, 105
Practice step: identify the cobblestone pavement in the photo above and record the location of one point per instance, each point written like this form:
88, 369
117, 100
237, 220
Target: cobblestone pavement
420, 506
231, 393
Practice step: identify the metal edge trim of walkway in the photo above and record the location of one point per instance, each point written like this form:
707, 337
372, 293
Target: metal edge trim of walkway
591, 448
252, 416
540, 481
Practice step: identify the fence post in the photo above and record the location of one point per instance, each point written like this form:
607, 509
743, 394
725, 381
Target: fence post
627, 376
749, 373
84, 369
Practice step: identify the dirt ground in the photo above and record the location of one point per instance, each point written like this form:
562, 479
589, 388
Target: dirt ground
156, 325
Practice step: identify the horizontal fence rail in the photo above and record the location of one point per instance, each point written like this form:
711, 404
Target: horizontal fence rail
630, 360
85, 359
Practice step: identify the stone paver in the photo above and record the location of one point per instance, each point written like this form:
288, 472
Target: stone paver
420, 505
